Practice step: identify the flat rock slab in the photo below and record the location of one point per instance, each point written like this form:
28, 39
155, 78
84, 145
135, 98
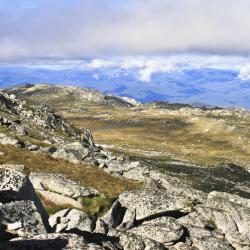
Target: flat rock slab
61, 185
59, 199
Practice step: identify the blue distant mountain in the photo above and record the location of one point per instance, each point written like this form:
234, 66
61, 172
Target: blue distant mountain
203, 85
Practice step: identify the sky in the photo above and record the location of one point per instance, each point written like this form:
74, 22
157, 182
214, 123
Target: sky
78, 29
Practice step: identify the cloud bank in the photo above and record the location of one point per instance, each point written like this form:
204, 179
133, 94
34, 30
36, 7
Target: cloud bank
92, 28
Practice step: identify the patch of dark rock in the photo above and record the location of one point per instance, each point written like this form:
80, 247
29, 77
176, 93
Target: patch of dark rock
96, 238
224, 178
55, 244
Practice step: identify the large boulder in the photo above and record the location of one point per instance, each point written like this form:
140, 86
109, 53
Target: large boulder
60, 184
68, 219
74, 152
147, 203
15, 186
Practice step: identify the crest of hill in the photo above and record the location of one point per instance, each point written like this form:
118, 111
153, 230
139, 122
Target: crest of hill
59, 90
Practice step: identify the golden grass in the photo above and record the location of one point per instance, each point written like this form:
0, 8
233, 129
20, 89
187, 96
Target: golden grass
201, 140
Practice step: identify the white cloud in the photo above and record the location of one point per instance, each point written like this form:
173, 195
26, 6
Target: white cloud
93, 28
244, 73
152, 67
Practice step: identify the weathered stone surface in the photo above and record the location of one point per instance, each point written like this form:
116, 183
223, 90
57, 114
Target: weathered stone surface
68, 219
61, 185
25, 213
50, 241
152, 202
15, 186
165, 230
74, 152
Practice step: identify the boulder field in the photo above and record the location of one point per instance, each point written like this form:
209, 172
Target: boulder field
165, 215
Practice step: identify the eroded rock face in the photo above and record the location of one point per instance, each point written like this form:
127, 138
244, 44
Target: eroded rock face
61, 185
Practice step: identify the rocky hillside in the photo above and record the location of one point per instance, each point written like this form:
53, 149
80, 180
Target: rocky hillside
58, 91
155, 210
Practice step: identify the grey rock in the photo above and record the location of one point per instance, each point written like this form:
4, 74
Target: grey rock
68, 219
74, 152
24, 212
61, 185
32, 147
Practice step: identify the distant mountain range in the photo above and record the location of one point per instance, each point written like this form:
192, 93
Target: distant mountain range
210, 86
